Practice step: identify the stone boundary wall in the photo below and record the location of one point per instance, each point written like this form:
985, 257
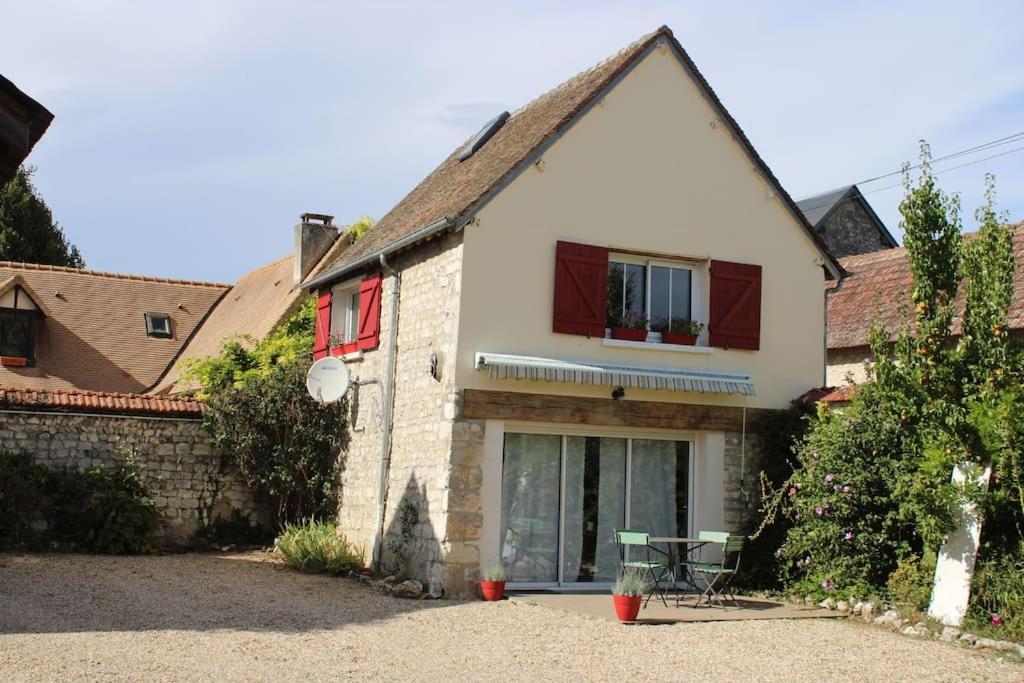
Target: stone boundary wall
183, 471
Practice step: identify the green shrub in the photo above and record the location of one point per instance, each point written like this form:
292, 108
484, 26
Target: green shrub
910, 586
997, 606
103, 510
316, 547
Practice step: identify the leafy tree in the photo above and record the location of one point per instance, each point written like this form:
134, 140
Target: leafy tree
28, 232
360, 227
871, 497
258, 410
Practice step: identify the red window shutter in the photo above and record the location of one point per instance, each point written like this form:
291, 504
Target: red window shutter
322, 333
368, 334
735, 319
581, 289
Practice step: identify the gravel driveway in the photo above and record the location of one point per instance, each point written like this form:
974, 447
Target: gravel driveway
241, 617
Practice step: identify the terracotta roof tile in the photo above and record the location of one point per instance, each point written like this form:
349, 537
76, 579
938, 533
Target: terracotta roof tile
455, 187
877, 289
95, 337
96, 401
256, 304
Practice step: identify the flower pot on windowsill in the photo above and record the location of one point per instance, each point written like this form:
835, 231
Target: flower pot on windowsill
13, 361
637, 334
678, 338
627, 607
492, 590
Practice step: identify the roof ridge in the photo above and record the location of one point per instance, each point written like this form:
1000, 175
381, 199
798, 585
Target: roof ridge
663, 30
20, 265
92, 392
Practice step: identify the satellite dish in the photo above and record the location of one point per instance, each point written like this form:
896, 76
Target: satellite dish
327, 380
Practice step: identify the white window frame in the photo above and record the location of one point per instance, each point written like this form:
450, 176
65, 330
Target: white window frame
698, 290
341, 303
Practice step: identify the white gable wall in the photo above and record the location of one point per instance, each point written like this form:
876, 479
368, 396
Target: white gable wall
648, 168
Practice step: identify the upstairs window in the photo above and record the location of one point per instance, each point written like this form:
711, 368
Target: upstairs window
661, 292
344, 314
16, 334
158, 325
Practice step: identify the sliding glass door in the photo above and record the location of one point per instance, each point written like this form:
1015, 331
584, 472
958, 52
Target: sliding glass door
563, 497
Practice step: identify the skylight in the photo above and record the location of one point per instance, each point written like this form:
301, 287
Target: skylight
158, 325
485, 134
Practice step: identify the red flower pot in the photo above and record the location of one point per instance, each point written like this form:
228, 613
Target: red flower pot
492, 590
629, 333
627, 606
678, 338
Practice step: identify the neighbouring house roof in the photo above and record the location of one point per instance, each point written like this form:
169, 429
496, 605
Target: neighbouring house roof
818, 208
93, 337
534, 369
76, 400
877, 289
260, 301
253, 307
22, 122
455, 190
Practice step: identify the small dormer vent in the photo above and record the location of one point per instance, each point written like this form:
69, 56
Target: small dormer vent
485, 134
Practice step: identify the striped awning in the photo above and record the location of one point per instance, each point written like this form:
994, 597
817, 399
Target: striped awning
506, 366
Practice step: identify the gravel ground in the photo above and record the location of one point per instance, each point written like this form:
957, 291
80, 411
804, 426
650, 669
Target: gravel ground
242, 617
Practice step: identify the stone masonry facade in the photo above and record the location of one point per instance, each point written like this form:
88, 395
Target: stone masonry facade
741, 482
425, 520
190, 482
851, 230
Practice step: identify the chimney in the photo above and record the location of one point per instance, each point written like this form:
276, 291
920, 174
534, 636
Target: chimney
313, 237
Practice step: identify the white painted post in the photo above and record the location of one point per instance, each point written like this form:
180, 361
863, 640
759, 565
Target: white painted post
952, 588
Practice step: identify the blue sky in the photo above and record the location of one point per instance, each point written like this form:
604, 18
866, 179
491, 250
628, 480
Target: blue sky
189, 136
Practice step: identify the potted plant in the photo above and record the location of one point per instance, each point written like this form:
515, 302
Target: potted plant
627, 594
679, 331
632, 326
492, 585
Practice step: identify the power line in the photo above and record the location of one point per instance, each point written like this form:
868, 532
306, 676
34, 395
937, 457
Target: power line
999, 142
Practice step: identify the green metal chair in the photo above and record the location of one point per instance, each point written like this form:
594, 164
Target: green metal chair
718, 576
655, 563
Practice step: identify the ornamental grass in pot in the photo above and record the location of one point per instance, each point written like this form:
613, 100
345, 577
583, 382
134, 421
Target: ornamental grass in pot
492, 585
627, 594
683, 332
632, 326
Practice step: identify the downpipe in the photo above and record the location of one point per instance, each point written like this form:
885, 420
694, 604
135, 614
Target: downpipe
388, 391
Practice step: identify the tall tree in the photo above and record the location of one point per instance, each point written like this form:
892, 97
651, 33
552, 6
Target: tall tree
28, 232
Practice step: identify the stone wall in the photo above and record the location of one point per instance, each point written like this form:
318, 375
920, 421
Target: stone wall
425, 412
846, 366
741, 482
179, 465
852, 230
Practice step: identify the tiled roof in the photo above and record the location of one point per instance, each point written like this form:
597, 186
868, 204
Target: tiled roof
254, 306
840, 395
455, 188
97, 401
94, 337
877, 288
812, 396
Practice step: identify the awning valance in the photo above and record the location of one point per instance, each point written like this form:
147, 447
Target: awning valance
506, 366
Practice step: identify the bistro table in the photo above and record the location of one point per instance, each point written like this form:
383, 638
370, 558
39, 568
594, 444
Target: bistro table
688, 545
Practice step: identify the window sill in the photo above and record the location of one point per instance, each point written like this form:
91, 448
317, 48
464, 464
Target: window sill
655, 346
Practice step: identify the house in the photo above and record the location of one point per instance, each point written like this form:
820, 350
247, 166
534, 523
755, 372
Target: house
494, 418
90, 331
846, 222
22, 122
876, 290
69, 328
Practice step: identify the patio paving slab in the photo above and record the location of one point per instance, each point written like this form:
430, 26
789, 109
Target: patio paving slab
599, 604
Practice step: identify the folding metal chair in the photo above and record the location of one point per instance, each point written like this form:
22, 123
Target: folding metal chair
718, 576
655, 563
